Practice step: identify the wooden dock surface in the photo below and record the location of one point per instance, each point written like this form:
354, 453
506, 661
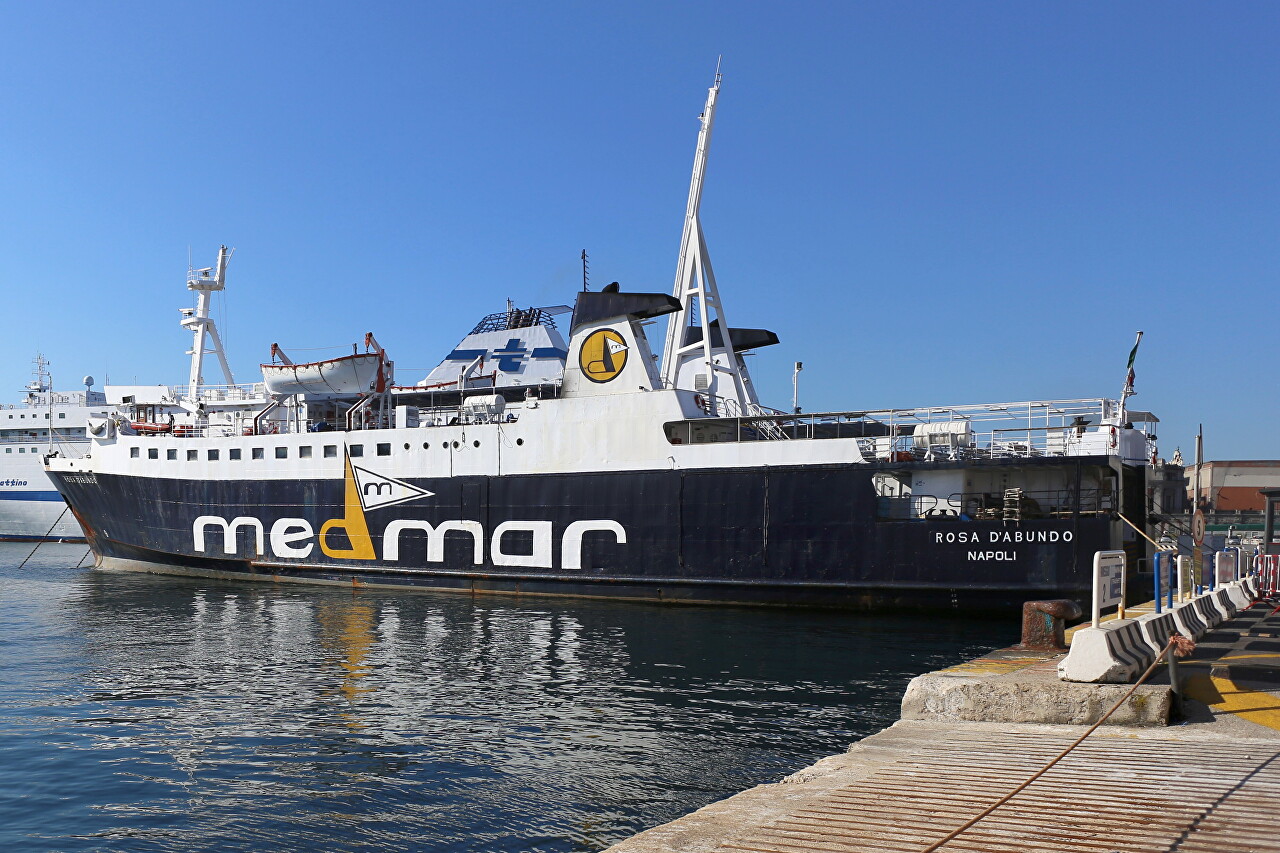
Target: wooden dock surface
1211, 785
1180, 789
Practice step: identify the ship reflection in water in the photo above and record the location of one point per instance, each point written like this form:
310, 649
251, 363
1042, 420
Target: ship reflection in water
158, 713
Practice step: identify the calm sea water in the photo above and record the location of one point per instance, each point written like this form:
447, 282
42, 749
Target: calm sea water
148, 713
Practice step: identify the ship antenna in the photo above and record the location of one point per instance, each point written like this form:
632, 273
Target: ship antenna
701, 362
205, 282
585, 268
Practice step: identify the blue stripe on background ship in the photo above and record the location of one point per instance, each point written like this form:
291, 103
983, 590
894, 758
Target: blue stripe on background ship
526, 464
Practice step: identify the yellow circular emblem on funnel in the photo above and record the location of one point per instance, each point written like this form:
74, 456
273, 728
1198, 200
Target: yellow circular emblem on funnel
603, 355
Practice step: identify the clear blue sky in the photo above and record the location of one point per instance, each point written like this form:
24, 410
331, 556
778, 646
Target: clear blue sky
931, 203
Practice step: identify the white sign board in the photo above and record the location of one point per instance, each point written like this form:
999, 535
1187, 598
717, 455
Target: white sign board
1108, 582
1224, 566
1186, 583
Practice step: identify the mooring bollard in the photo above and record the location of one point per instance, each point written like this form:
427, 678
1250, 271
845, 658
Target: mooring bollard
1042, 624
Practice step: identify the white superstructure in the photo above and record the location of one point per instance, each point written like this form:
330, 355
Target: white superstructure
45, 421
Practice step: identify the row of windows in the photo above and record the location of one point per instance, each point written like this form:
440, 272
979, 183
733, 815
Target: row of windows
34, 416
304, 452
22, 450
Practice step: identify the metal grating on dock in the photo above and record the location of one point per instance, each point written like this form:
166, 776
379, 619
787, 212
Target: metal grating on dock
1116, 792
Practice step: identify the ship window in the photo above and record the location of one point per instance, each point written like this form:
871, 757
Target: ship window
282, 453
213, 455
153, 453
355, 450
330, 451
46, 416
133, 452
234, 454
384, 449
257, 453
171, 454
62, 414
192, 455
304, 452
24, 450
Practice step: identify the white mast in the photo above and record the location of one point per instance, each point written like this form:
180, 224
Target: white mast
204, 282
701, 364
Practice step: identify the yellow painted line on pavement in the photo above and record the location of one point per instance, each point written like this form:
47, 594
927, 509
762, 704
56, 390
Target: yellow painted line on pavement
992, 666
1225, 695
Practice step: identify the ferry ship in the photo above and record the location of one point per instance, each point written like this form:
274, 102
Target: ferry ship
45, 421
552, 452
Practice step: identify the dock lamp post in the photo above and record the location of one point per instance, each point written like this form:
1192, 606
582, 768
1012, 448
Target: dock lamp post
795, 387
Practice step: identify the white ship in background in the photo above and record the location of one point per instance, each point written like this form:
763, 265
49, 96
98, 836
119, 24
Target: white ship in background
45, 421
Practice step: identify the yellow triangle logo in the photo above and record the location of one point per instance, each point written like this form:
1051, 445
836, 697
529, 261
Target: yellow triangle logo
352, 524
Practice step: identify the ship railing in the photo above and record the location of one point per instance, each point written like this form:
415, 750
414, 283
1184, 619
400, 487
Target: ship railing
60, 398
995, 506
1025, 430
222, 393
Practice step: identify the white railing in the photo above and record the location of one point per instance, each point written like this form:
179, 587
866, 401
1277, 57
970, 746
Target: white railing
948, 433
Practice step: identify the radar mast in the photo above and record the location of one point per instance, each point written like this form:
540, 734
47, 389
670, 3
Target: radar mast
699, 352
205, 282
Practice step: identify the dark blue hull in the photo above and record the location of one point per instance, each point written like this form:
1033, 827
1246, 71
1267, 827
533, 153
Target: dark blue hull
806, 536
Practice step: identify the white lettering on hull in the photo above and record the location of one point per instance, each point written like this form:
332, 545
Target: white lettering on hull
995, 537
288, 534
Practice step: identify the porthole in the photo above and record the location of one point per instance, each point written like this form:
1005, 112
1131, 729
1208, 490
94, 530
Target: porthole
426, 445
475, 444
519, 442
406, 445
455, 445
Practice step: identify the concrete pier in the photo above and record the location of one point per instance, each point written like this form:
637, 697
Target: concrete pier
1210, 783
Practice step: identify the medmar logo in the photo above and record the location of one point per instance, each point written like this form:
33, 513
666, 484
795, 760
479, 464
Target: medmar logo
348, 537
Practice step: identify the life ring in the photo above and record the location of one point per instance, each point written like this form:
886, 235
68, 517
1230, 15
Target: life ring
1113, 438
701, 402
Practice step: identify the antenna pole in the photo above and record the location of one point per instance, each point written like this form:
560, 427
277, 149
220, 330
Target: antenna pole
689, 360
204, 283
